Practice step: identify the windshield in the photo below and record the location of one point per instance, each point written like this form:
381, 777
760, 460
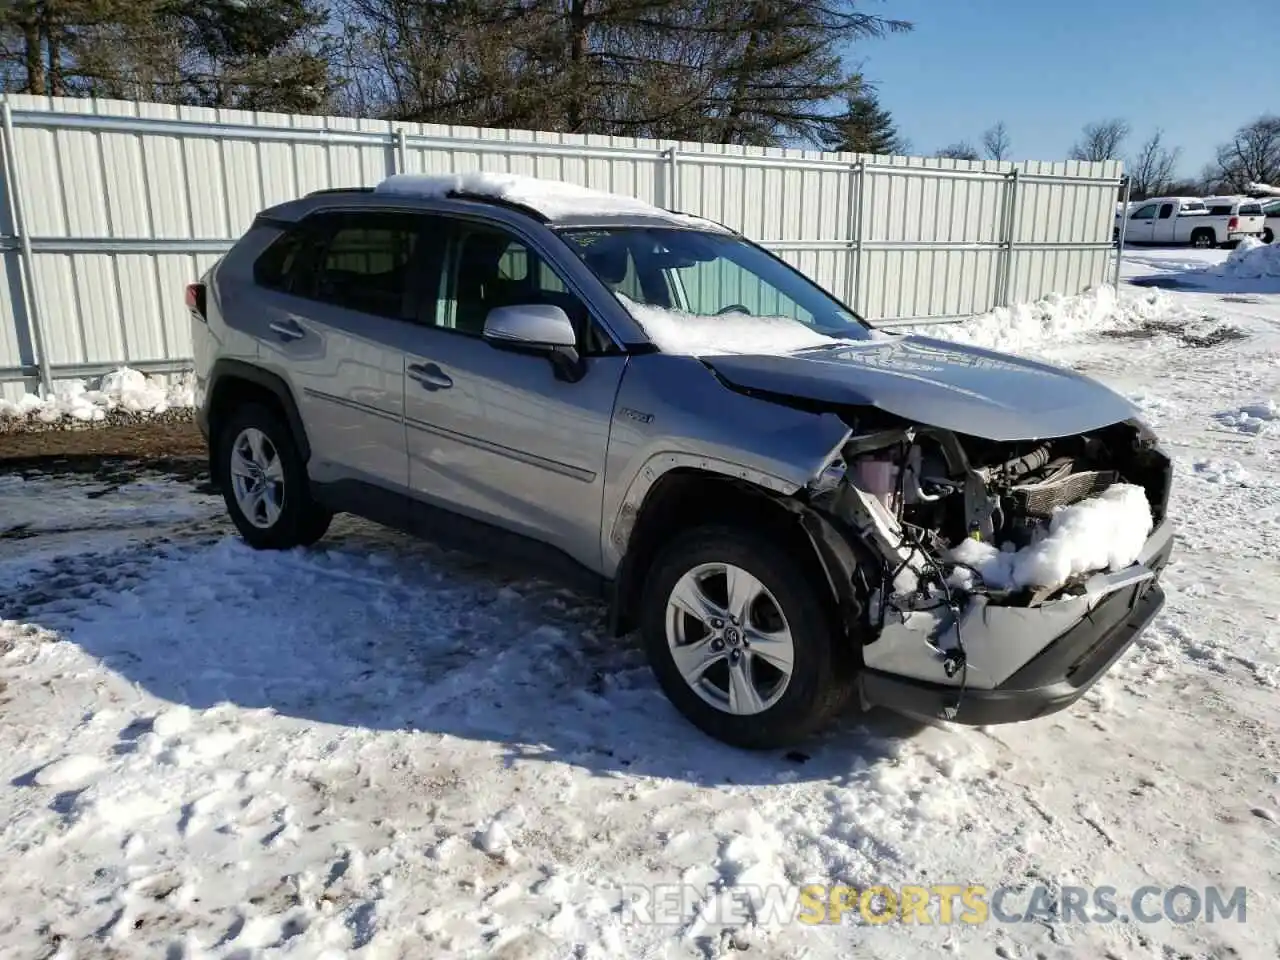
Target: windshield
719, 284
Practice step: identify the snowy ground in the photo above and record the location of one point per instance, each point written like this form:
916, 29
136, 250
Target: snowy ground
379, 750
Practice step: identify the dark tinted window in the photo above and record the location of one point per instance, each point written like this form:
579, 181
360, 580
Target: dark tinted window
1166, 211
1220, 210
1251, 210
1146, 213
274, 267
361, 262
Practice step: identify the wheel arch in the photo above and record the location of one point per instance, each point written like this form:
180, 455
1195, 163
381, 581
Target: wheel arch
235, 382
1201, 231
687, 496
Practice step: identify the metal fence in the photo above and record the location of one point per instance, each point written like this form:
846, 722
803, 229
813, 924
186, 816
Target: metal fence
108, 208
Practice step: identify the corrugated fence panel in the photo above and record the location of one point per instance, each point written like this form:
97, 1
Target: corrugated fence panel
899, 238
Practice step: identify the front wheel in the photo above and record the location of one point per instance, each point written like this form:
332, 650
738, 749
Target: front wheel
264, 482
742, 638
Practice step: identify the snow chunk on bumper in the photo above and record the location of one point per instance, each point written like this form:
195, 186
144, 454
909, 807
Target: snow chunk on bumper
1106, 532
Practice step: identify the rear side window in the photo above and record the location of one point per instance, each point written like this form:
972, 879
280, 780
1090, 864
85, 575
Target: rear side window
1220, 210
358, 261
1251, 210
1166, 211
362, 263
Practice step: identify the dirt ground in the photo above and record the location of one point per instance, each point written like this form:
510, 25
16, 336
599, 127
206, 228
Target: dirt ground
173, 448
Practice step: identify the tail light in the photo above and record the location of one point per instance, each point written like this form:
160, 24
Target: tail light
196, 300
1233, 223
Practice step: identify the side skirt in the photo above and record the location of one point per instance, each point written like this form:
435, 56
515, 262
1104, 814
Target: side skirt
445, 528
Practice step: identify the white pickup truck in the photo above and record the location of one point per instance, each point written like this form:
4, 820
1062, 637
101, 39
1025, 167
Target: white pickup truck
1212, 222
1271, 210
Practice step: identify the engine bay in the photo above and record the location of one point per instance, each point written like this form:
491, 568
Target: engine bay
946, 513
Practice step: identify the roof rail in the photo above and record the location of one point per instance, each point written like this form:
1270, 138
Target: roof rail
316, 193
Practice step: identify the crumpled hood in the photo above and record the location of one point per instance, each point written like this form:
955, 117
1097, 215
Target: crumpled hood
937, 383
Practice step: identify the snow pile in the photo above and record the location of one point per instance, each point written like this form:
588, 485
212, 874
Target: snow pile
1251, 260
1057, 318
690, 334
125, 391
551, 198
1254, 418
1105, 532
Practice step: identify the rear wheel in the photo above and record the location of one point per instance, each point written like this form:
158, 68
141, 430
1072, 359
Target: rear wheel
1204, 239
264, 482
742, 639
1268, 235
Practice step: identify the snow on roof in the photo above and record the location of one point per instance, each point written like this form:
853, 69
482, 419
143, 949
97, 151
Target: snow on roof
554, 199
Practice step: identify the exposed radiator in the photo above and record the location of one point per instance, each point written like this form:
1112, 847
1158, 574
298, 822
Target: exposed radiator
1040, 499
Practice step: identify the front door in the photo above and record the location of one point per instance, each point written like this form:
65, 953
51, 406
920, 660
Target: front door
1164, 225
498, 435
1141, 226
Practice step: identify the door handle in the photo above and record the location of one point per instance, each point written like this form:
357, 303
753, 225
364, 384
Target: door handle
288, 330
430, 376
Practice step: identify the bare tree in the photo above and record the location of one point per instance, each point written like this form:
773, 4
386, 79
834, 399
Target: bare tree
1252, 156
996, 143
1151, 169
963, 150
1100, 141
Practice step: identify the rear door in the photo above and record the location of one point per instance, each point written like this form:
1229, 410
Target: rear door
338, 326
497, 435
1141, 228
1166, 220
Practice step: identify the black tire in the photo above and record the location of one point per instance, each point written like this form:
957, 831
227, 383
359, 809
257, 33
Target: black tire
821, 678
1268, 235
301, 521
1204, 239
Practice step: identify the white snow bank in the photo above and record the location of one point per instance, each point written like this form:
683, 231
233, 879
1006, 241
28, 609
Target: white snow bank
1105, 532
124, 390
552, 198
1251, 260
690, 334
1056, 319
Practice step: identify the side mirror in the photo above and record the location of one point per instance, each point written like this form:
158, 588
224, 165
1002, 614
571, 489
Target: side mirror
541, 328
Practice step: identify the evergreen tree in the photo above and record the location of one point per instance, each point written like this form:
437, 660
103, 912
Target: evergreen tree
865, 127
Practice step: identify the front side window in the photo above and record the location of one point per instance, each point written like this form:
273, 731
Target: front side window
699, 274
490, 267
1145, 213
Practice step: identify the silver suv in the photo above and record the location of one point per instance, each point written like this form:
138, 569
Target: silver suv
795, 510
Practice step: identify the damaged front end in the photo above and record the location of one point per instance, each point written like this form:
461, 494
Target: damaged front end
968, 595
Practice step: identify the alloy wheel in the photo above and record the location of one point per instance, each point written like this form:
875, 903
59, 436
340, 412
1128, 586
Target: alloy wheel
729, 638
257, 478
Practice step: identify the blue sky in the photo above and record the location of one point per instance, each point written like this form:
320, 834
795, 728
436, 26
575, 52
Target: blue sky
1197, 68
